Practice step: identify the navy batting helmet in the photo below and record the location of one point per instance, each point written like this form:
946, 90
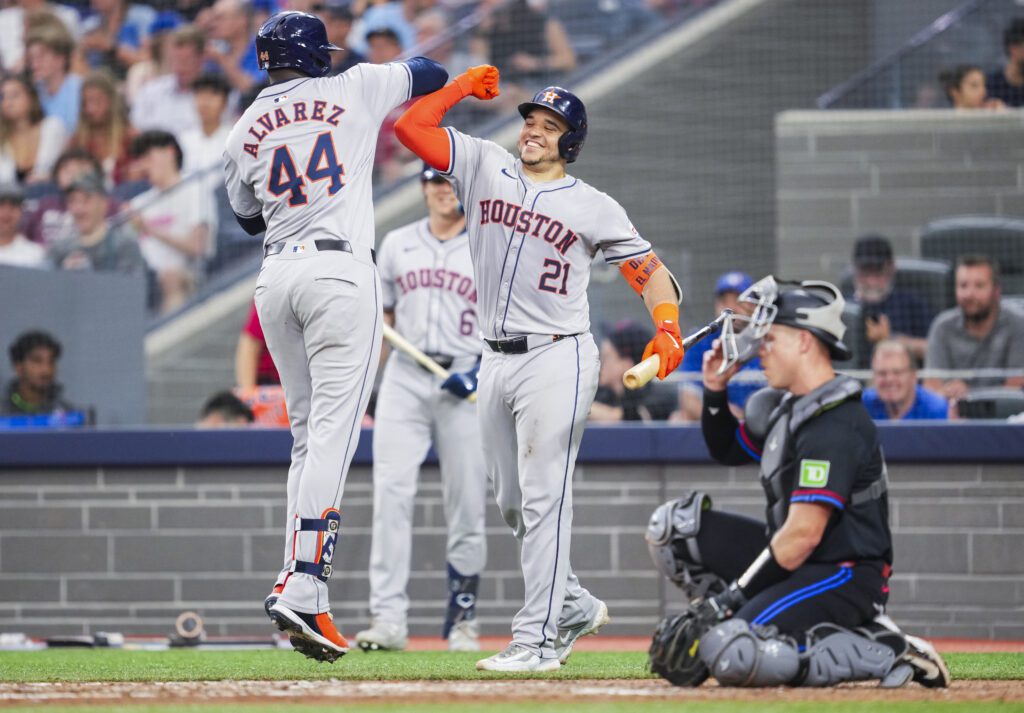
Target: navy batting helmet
294, 40
568, 106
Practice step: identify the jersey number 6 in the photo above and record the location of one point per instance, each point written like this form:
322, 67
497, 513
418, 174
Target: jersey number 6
322, 164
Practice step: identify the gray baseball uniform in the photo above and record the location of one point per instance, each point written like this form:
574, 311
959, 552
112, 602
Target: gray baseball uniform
532, 247
429, 285
302, 155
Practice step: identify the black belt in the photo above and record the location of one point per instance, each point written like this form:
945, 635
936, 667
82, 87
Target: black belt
444, 360
325, 244
517, 345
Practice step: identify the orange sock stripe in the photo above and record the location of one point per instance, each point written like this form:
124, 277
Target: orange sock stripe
639, 270
419, 128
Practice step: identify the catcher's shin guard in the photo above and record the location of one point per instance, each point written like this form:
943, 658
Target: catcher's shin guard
462, 591
738, 654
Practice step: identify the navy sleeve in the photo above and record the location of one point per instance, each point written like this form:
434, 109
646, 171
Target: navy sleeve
427, 75
724, 436
253, 224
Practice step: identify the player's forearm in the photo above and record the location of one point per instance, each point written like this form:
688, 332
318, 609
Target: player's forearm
247, 356
659, 290
800, 534
419, 128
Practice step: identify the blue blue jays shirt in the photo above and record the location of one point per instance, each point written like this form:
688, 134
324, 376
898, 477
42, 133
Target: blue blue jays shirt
927, 406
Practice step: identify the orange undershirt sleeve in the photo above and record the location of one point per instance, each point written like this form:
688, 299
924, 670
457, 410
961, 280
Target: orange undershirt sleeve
419, 128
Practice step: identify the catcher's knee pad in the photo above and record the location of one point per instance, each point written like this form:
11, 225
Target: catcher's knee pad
835, 655
737, 654
327, 528
673, 528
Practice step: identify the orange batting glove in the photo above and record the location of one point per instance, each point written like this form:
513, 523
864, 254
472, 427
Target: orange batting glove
480, 81
667, 342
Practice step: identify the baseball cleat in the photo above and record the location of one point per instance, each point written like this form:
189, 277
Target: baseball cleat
929, 668
515, 659
567, 638
464, 636
271, 599
383, 636
312, 635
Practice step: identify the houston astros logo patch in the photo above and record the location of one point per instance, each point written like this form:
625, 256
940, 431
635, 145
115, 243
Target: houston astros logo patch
550, 97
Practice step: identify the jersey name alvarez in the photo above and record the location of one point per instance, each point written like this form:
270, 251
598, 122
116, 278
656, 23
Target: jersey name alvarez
315, 110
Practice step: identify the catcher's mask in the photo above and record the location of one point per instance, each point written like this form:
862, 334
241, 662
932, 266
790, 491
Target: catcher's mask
814, 305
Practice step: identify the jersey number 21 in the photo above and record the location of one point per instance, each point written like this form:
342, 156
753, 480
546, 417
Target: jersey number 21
322, 165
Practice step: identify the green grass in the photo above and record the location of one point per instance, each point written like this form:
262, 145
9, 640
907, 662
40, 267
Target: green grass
589, 706
186, 665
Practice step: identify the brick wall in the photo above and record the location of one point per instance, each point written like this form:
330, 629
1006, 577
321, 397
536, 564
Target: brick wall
842, 174
128, 549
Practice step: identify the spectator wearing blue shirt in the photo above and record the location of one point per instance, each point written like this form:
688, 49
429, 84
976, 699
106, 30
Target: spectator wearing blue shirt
896, 395
49, 51
398, 16
889, 312
728, 288
114, 34
233, 49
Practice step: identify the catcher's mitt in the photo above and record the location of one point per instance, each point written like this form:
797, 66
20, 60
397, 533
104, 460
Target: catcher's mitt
673, 652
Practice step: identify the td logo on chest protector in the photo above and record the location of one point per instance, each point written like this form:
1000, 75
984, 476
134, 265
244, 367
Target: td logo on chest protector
814, 473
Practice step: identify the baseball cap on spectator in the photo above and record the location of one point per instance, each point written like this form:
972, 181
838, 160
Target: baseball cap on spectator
384, 32
733, 281
872, 252
629, 339
89, 182
164, 21
429, 173
338, 9
11, 193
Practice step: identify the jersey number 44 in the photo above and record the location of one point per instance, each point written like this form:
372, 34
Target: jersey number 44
322, 165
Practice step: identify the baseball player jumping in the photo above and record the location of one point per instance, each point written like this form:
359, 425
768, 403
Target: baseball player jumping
427, 280
533, 232
298, 165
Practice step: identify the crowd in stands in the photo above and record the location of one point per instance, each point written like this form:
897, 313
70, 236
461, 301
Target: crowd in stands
142, 96
968, 86
982, 336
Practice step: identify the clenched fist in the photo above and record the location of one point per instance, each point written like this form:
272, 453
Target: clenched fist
480, 81
668, 345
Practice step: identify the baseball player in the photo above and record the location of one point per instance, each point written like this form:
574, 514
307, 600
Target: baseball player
427, 280
533, 232
298, 166
797, 596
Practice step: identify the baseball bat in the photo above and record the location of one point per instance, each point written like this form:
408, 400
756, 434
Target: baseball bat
402, 344
646, 370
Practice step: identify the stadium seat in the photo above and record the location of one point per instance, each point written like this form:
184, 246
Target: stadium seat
931, 279
997, 403
997, 237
